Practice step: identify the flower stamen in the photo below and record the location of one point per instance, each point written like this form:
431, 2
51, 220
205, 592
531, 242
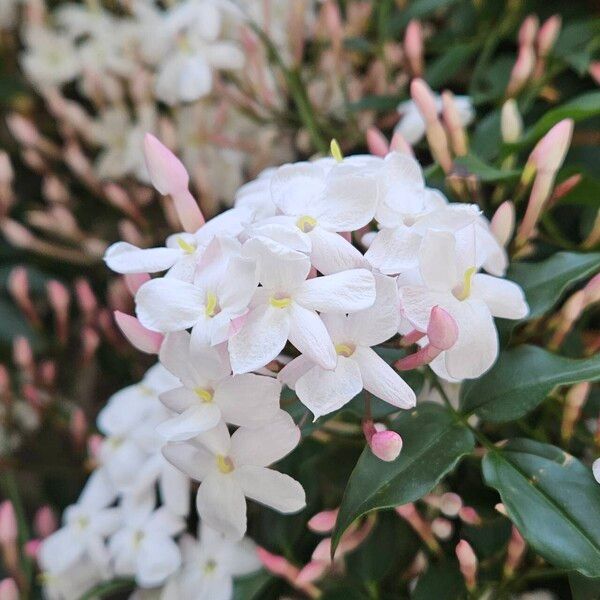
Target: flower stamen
186, 246
306, 223
212, 305
465, 289
204, 394
279, 302
224, 464
345, 350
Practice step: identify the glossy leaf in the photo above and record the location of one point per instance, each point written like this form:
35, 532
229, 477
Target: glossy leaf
521, 379
545, 282
442, 582
433, 443
251, 587
486, 173
553, 500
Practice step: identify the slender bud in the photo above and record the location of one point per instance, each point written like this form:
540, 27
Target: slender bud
9, 589
547, 35
23, 130
90, 340
442, 528
138, 336
8, 524
594, 71
410, 514
515, 552
592, 290
576, 397
454, 126
22, 353
399, 144
44, 522
450, 504
324, 521
528, 30
78, 427
502, 224
60, 300
333, 22
468, 563
376, 142
413, 47
278, 565
570, 312
18, 286
86, 299
511, 123
522, 70
469, 515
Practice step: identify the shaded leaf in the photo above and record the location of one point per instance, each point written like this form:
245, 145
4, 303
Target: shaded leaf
252, 586
521, 379
433, 443
584, 588
553, 500
442, 582
486, 173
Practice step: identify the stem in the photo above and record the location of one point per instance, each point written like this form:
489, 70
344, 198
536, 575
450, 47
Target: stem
103, 590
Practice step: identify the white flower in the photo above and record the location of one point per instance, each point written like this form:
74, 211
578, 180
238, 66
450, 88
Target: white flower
72, 584
234, 467
210, 564
209, 392
144, 547
8, 14
450, 280
286, 304
358, 366
223, 286
412, 125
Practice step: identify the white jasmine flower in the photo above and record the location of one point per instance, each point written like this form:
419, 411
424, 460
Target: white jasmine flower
234, 467
209, 392
412, 125
358, 366
286, 304
450, 281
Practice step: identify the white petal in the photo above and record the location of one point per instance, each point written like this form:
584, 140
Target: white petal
174, 487
193, 460
382, 381
60, 551
190, 423
271, 488
248, 400
195, 79
179, 399
310, 336
158, 557
168, 304
290, 374
224, 55
99, 491
323, 391
417, 301
438, 262
394, 250
286, 234
243, 558
260, 340
127, 258
221, 503
175, 356
331, 253
504, 298
164, 522
294, 188
238, 284
265, 445
349, 291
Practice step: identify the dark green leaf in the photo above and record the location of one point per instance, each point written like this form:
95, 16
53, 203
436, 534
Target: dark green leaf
448, 64
433, 443
544, 282
417, 9
485, 172
442, 582
521, 379
553, 500
584, 588
252, 586
381, 103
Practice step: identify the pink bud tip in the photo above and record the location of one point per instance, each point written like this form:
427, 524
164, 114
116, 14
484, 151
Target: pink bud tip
594, 71
22, 352
466, 556
399, 144
324, 521
424, 99
278, 565
9, 589
548, 34
528, 30
311, 572
550, 151
376, 142
8, 523
469, 515
442, 330
32, 547
141, 338
134, 281
450, 504
503, 223
386, 445
45, 522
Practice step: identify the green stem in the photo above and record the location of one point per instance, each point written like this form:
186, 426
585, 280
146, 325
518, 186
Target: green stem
103, 590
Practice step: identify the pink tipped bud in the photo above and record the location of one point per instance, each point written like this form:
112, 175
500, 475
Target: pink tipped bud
467, 562
9, 589
399, 144
16, 234
278, 565
528, 30
60, 300
86, 298
138, 336
452, 120
503, 223
442, 528
469, 516
32, 548
501, 509
6, 171
442, 330
8, 524
424, 99
23, 130
548, 34
311, 572
450, 504
22, 353
413, 47
376, 142
90, 340
170, 177
576, 398
386, 445
549, 153
45, 522
78, 427
333, 22
511, 123
324, 521
134, 281
594, 71
94, 445
522, 70
515, 552
592, 290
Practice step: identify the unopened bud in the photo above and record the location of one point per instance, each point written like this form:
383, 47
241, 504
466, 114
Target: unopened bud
469, 515
324, 521
23, 130
453, 122
386, 445
8, 524
399, 144
9, 589
442, 528
548, 34
78, 427
511, 123
413, 47
549, 153
376, 142
450, 504
522, 70
502, 224
468, 563
278, 565
139, 336
528, 30
32, 548
22, 353
44, 522
515, 552
575, 399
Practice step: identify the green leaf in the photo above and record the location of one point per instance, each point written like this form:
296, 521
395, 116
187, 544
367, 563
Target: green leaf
520, 380
380, 103
485, 172
252, 586
552, 498
442, 582
580, 108
584, 588
545, 282
448, 64
433, 443
415, 10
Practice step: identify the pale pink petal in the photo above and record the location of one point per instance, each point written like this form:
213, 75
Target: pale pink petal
310, 336
505, 299
290, 374
190, 423
331, 253
271, 488
139, 337
437, 261
123, 257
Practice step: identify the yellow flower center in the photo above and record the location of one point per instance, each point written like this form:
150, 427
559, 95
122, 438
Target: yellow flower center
345, 350
138, 536
186, 246
204, 394
83, 522
280, 302
306, 223
209, 566
224, 464
464, 290
212, 305
336, 151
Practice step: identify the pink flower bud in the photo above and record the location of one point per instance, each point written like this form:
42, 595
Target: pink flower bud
548, 34
78, 427
469, 516
32, 547
324, 521
9, 589
528, 30
592, 290
574, 402
450, 504
278, 565
138, 336
501, 509
22, 353
442, 330
399, 144
522, 70
503, 223
311, 572
170, 177
333, 22
515, 552
413, 47
376, 142
60, 300
467, 562
45, 522
456, 130
86, 298
8, 524
386, 445
16, 234
442, 528
594, 71
424, 99
23, 130
94, 445
6, 170
511, 123
134, 281
549, 153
